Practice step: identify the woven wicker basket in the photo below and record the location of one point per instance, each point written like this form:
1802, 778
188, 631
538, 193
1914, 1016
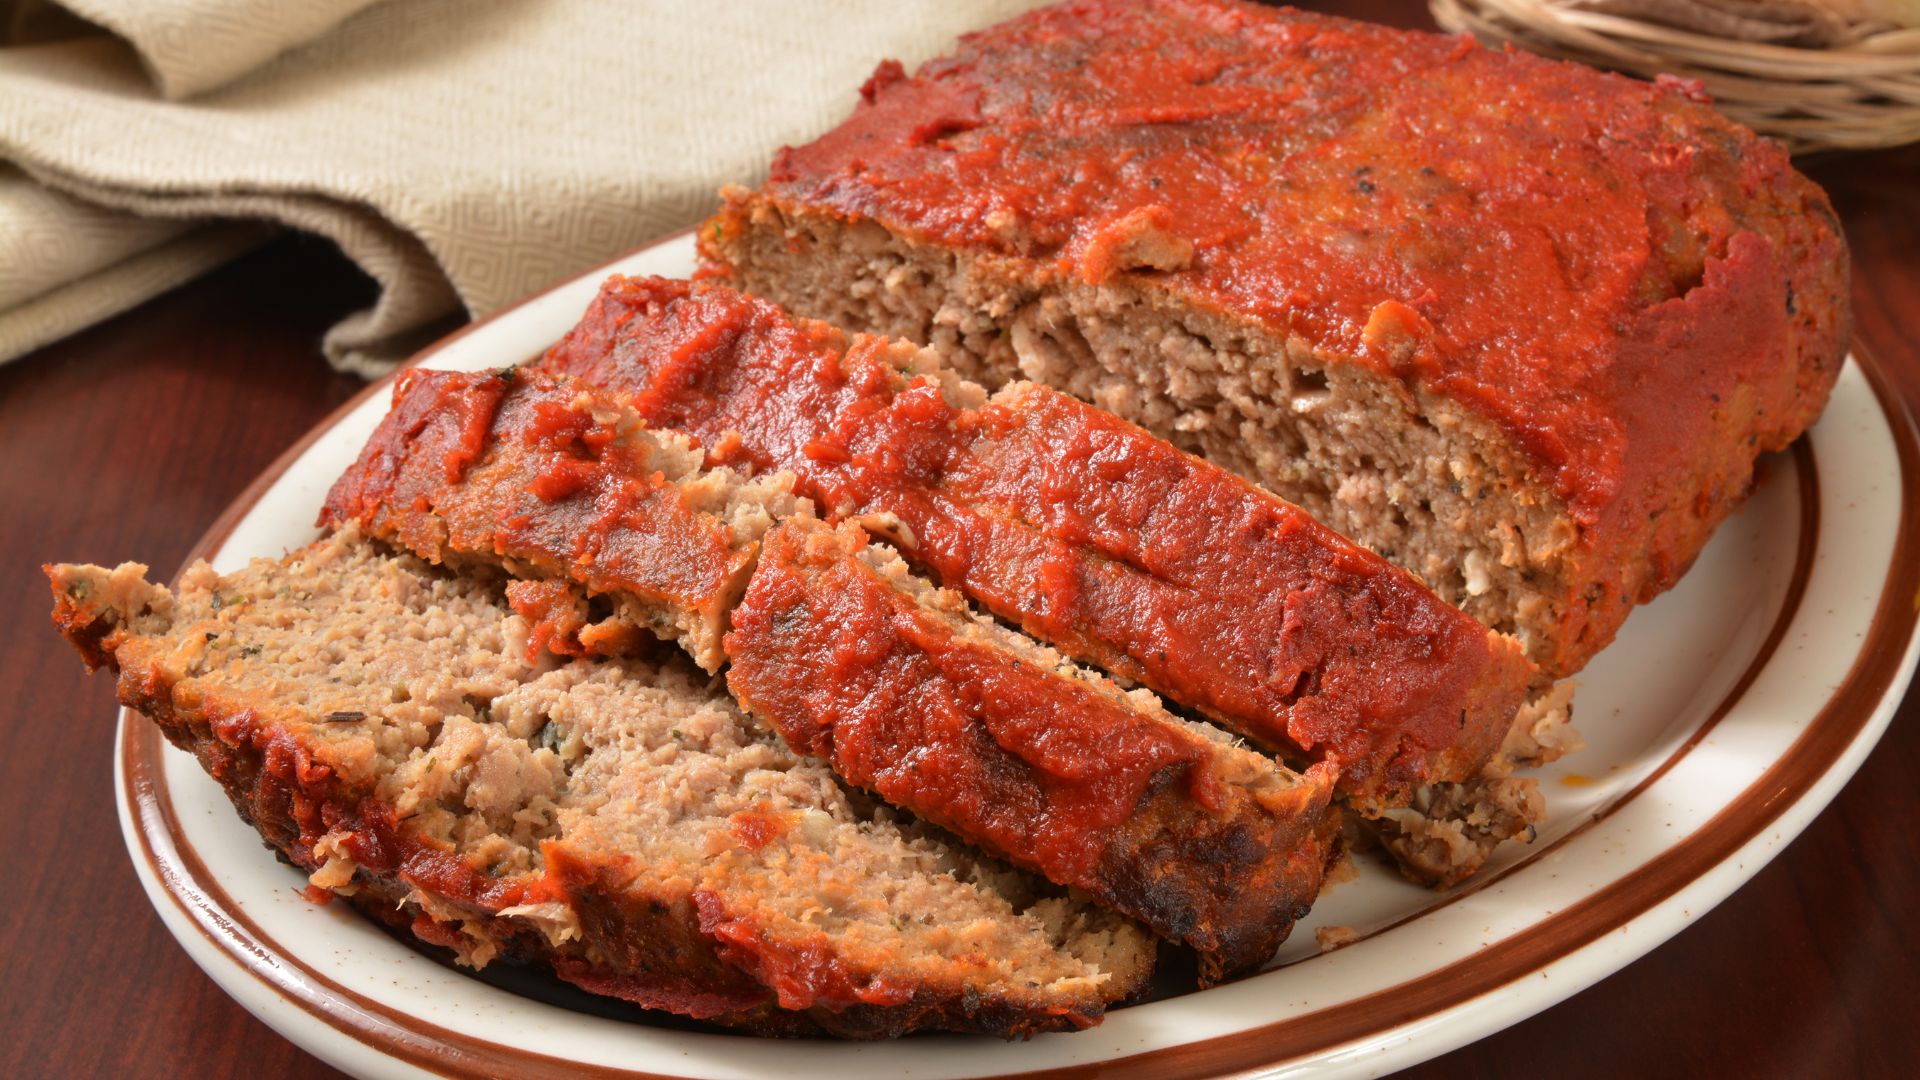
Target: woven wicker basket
1861, 91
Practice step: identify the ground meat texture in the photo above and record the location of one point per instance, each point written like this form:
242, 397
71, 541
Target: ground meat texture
566, 490
1007, 744
1084, 530
1517, 325
380, 722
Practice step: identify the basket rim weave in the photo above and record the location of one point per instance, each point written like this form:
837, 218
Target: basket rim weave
1862, 94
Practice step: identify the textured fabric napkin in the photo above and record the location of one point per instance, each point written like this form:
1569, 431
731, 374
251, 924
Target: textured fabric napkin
462, 152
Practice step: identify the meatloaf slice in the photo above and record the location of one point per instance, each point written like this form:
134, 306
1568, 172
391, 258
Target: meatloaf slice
531, 472
1082, 529
380, 722
978, 729
1517, 325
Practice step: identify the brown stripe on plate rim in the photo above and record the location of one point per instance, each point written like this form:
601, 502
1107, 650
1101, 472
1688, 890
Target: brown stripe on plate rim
418, 1042
194, 889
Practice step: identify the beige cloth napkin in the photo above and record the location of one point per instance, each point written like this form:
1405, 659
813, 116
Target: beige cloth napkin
462, 152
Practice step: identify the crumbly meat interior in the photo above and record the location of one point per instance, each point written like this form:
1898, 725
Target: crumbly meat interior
415, 687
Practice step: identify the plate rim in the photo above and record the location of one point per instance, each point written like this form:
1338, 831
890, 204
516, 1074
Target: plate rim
1876, 674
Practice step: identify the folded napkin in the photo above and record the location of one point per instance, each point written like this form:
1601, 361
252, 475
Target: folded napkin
462, 152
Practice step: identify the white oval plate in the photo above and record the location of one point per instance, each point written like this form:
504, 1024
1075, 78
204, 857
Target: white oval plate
1726, 715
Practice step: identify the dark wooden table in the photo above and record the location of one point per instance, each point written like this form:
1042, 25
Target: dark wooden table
127, 440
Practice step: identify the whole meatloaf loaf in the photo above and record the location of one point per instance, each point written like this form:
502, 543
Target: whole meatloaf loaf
966, 724
1518, 325
381, 724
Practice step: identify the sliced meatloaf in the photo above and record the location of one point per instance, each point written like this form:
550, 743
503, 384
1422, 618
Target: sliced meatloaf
1082, 529
978, 729
1517, 325
1224, 873
380, 722
503, 468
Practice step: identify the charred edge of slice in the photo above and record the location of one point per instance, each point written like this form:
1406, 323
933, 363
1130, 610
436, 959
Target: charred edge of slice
1013, 748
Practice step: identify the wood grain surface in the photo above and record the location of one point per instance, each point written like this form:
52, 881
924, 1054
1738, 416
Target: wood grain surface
126, 441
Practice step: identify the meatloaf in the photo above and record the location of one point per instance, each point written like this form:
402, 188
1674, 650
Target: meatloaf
1520, 326
1001, 740
505, 469
1084, 530
380, 722
1213, 846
